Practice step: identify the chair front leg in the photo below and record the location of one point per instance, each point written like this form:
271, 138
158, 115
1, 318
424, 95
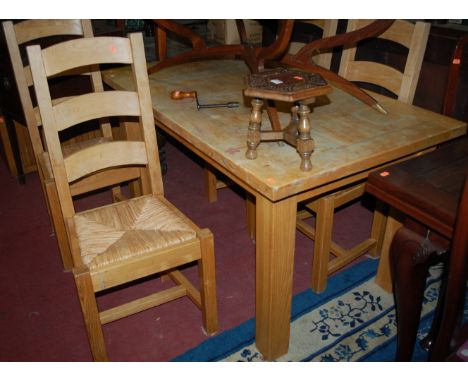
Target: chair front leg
207, 275
90, 311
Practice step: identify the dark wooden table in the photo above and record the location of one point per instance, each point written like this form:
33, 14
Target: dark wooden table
427, 189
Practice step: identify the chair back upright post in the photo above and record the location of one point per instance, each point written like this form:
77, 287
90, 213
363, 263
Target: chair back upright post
17, 35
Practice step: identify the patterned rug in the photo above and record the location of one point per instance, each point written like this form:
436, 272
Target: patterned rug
353, 320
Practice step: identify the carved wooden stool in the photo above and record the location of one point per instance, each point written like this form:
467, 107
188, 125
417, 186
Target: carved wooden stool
287, 85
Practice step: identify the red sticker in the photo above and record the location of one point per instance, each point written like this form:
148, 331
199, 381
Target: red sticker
298, 78
384, 173
456, 61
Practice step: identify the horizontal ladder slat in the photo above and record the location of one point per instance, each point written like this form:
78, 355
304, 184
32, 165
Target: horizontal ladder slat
34, 29
105, 155
375, 73
86, 51
91, 106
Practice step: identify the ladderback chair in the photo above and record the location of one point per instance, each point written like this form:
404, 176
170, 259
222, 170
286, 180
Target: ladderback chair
19, 35
403, 84
120, 242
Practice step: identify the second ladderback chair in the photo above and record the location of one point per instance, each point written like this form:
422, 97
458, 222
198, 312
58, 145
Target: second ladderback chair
401, 83
117, 243
413, 37
17, 36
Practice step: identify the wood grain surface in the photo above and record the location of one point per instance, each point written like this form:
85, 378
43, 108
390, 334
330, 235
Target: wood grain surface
350, 138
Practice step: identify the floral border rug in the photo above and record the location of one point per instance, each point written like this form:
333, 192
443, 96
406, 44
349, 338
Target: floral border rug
353, 320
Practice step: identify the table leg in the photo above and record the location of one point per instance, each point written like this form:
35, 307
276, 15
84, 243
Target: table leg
394, 223
275, 233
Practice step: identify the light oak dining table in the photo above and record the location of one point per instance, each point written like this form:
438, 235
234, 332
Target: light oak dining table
351, 140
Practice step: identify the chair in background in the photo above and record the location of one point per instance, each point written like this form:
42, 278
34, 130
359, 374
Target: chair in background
19, 35
452, 97
452, 301
47, 31
403, 85
427, 192
120, 242
427, 189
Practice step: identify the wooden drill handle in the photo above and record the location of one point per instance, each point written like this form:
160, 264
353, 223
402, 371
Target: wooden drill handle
177, 94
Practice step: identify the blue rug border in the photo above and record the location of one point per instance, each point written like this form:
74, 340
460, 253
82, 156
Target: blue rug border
243, 335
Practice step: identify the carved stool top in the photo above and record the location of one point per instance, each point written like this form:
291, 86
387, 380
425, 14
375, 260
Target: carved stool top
286, 85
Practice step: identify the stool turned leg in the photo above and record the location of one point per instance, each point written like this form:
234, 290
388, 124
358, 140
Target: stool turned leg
253, 134
294, 117
305, 143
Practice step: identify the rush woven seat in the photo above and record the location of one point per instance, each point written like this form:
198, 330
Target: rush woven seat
128, 229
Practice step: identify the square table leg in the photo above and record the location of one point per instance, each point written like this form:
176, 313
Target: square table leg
275, 241
383, 277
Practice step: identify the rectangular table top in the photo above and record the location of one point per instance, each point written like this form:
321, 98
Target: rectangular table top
350, 138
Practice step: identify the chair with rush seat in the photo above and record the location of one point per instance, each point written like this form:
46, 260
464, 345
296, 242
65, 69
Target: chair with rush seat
17, 36
403, 84
117, 243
